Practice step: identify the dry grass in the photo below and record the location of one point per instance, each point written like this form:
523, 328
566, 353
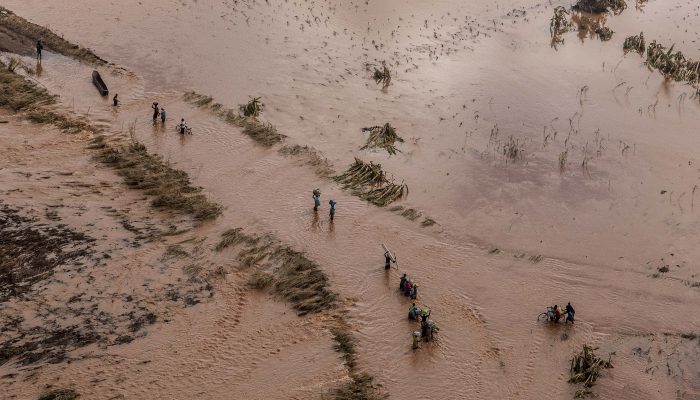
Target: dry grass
261, 132
311, 157
58, 394
171, 188
382, 137
53, 42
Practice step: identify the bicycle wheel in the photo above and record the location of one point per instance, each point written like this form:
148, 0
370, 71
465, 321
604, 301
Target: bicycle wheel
542, 317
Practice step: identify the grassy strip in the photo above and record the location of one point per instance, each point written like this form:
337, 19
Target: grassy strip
600, 6
301, 282
22, 95
171, 187
263, 133
289, 273
34, 32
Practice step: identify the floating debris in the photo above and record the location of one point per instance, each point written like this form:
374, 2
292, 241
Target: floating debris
382, 76
384, 137
559, 25
585, 366
635, 43
600, 6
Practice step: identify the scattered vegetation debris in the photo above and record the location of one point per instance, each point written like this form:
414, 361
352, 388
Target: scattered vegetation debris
513, 149
171, 187
663, 269
384, 137
59, 394
382, 75
253, 108
428, 222
559, 25
263, 133
672, 65
582, 394
368, 181
586, 366
30, 252
635, 43
600, 6
412, 214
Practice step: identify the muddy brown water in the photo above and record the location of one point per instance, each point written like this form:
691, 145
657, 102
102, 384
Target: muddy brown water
467, 78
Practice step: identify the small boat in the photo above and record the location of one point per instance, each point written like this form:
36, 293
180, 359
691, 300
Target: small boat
99, 83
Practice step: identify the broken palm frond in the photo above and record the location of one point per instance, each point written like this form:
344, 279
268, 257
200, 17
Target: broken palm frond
362, 174
635, 43
369, 182
20, 27
58, 394
253, 108
384, 137
559, 25
385, 195
261, 132
585, 366
382, 76
673, 65
600, 6
171, 187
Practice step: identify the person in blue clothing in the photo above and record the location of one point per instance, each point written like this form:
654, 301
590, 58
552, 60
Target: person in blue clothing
332, 212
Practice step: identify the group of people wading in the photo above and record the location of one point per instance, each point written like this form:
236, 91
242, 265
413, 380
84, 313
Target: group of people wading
409, 288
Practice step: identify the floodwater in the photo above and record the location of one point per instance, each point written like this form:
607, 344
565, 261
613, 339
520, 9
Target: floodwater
468, 77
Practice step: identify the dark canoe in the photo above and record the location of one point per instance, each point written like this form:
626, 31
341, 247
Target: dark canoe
99, 83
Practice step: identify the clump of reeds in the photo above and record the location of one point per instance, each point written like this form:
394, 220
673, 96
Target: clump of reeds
587, 26
635, 43
513, 149
559, 25
600, 6
233, 237
311, 157
171, 188
586, 366
672, 65
263, 133
252, 108
384, 137
382, 75
58, 394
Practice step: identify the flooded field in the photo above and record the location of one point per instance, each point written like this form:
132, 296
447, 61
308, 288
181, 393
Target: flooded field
537, 174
